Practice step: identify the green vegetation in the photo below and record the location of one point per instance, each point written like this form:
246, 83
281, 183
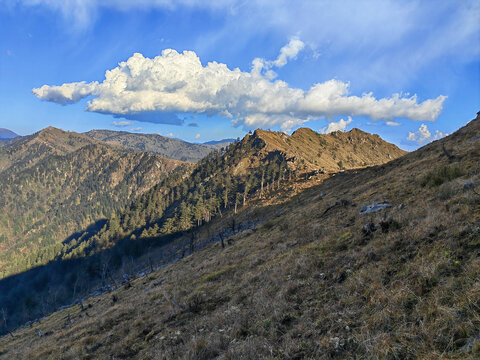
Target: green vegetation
75, 184
441, 175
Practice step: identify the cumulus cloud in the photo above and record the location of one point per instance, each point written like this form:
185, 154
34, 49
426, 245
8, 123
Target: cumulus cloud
66, 93
340, 125
156, 90
422, 135
121, 123
197, 136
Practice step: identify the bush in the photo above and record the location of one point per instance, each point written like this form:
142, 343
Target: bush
439, 176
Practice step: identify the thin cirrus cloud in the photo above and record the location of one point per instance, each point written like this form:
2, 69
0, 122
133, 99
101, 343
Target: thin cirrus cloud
397, 29
156, 90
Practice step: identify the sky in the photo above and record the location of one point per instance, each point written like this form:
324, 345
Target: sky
202, 70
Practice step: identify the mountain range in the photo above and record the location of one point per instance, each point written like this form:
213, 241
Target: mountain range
57, 183
301, 246
158, 144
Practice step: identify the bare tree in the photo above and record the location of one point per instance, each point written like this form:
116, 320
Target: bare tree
261, 184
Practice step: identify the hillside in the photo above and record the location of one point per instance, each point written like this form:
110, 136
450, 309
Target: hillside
55, 183
250, 173
164, 146
318, 276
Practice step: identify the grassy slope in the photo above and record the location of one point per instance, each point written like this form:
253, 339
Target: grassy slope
353, 148
308, 283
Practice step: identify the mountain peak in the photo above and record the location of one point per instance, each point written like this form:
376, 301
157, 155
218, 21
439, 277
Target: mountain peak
334, 151
6, 134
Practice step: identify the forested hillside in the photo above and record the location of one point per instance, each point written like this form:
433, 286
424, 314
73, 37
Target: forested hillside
54, 183
261, 164
250, 172
376, 263
162, 145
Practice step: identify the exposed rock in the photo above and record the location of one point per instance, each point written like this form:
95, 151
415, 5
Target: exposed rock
469, 185
367, 209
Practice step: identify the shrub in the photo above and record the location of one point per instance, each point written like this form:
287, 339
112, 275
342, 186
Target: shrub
441, 175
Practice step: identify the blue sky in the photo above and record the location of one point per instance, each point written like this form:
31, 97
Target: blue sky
407, 70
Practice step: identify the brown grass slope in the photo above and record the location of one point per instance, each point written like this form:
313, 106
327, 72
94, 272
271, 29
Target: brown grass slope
334, 151
312, 281
306, 151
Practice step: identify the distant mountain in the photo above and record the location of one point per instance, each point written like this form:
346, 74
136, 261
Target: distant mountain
164, 146
6, 134
220, 143
54, 183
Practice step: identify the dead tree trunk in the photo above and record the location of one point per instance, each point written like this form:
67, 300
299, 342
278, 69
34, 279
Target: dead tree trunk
261, 184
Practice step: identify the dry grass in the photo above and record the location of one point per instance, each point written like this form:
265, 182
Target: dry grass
307, 284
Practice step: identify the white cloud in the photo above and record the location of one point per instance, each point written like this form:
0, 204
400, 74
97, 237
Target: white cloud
121, 123
422, 135
393, 123
136, 129
155, 90
66, 93
439, 135
287, 52
340, 125
419, 136
197, 136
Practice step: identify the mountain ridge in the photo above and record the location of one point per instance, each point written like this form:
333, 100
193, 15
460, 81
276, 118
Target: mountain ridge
162, 145
359, 148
